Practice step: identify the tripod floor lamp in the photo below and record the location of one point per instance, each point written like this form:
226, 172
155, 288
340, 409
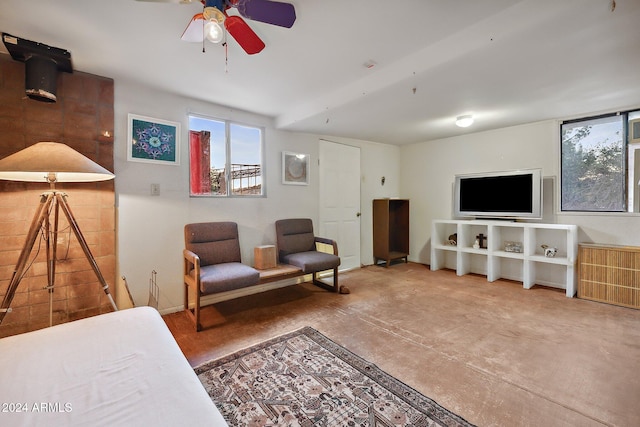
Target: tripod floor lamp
50, 162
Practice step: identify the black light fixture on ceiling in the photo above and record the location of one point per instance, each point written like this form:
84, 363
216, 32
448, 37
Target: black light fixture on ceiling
42, 63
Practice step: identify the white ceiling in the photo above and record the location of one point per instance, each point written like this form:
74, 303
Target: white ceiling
507, 62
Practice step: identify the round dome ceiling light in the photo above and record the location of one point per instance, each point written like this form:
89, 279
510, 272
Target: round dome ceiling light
464, 121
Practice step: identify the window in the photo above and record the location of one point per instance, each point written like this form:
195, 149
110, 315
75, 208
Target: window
598, 170
225, 158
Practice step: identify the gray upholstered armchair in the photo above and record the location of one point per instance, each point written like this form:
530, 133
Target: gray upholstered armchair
212, 263
297, 246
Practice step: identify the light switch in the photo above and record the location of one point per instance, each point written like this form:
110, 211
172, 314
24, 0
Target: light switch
155, 189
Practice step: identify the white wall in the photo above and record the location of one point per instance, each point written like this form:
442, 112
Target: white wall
428, 171
150, 228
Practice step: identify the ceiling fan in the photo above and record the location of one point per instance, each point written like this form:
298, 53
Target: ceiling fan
209, 24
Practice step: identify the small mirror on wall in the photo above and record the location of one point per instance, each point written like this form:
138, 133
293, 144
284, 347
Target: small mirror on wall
295, 168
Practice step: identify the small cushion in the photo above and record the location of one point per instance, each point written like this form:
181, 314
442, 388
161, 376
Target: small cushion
312, 261
226, 277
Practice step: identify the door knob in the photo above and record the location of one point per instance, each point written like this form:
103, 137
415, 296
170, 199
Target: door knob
358, 214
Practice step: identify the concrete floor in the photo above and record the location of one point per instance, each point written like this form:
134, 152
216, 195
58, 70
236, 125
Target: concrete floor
494, 353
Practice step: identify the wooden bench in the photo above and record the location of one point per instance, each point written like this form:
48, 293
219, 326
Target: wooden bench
213, 266
279, 272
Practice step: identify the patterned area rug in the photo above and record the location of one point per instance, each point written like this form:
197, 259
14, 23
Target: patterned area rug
305, 379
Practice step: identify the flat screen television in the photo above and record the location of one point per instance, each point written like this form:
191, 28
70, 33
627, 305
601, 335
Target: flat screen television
513, 194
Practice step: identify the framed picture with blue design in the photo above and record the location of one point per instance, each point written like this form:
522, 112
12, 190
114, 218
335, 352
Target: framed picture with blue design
153, 140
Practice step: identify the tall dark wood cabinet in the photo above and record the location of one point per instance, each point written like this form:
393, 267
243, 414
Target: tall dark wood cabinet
390, 230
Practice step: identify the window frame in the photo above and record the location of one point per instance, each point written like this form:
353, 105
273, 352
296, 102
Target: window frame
626, 116
227, 165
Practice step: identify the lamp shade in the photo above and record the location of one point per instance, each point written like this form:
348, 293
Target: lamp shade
51, 162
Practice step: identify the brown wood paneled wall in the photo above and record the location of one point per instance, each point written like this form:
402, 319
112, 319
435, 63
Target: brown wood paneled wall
83, 119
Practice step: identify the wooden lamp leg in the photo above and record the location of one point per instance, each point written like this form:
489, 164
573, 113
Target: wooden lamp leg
61, 198
41, 215
50, 201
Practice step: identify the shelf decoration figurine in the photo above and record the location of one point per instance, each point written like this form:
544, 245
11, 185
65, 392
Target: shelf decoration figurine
480, 240
549, 252
476, 244
453, 239
510, 246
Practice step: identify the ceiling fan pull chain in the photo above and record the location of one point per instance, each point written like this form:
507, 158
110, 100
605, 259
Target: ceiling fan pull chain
226, 58
203, 37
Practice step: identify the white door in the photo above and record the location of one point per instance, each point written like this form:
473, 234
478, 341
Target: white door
339, 171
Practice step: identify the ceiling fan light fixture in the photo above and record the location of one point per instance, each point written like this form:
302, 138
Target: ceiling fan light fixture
464, 121
213, 32
213, 14
214, 18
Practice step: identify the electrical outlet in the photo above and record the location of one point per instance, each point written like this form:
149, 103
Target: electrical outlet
155, 189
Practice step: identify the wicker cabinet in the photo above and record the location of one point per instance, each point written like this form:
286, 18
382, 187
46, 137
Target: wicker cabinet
609, 273
390, 230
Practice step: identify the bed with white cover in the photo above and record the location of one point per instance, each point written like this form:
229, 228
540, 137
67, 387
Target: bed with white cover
117, 369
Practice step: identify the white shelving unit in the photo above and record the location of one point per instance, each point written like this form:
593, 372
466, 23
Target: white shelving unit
530, 266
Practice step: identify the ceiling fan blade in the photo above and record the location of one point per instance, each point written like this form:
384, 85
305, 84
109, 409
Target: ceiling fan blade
268, 11
194, 32
244, 35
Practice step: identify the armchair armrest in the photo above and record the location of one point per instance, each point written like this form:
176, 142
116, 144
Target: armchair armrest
191, 262
329, 242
